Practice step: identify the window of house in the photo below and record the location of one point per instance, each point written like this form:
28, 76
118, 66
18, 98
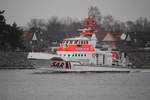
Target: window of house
30, 42
41, 40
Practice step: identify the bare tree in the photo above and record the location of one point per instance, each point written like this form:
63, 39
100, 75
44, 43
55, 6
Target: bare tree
118, 26
96, 14
54, 28
36, 24
108, 22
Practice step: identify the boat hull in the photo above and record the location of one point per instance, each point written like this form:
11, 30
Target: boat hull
46, 66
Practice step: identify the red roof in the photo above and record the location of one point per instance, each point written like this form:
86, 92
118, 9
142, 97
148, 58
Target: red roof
115, 35
101, 35
27, 35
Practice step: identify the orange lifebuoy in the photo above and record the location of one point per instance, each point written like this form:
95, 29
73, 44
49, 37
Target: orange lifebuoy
114, 55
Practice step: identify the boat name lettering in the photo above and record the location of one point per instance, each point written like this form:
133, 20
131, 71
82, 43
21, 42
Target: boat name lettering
58, 64
61, 64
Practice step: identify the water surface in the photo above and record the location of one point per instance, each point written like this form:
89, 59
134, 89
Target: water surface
30, 85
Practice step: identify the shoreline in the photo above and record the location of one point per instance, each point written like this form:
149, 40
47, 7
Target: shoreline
32, 67
18, 60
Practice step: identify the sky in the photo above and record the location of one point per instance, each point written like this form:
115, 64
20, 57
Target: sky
22, 11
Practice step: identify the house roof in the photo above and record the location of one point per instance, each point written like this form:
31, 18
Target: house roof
28, 35
117, 36
109, 36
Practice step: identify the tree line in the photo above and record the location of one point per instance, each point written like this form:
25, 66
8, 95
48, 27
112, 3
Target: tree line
10, 35
60, 28
56, 29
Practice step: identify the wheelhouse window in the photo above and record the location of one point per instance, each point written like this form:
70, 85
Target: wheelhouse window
76, 42
82, 42
86, 42
79, 42
67, 42
70, 42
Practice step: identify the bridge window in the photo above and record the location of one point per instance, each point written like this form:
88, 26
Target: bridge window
79, 55
84, 42
63, 42
66, 42
70, 42
79, 42
87, 42
73, 42
76, 42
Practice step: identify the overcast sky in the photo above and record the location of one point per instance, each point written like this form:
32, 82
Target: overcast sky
22, 11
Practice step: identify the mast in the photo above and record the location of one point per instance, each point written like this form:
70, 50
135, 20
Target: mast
89, 25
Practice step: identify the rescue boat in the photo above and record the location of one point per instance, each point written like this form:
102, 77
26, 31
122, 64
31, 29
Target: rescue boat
77, 51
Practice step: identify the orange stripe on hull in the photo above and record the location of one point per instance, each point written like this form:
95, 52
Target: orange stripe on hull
76, 48
87, 33
78, 39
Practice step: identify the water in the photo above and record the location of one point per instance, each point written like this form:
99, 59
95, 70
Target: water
28, 85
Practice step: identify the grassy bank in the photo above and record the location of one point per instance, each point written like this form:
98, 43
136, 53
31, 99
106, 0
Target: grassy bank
140, 58
14, 60
18, 60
